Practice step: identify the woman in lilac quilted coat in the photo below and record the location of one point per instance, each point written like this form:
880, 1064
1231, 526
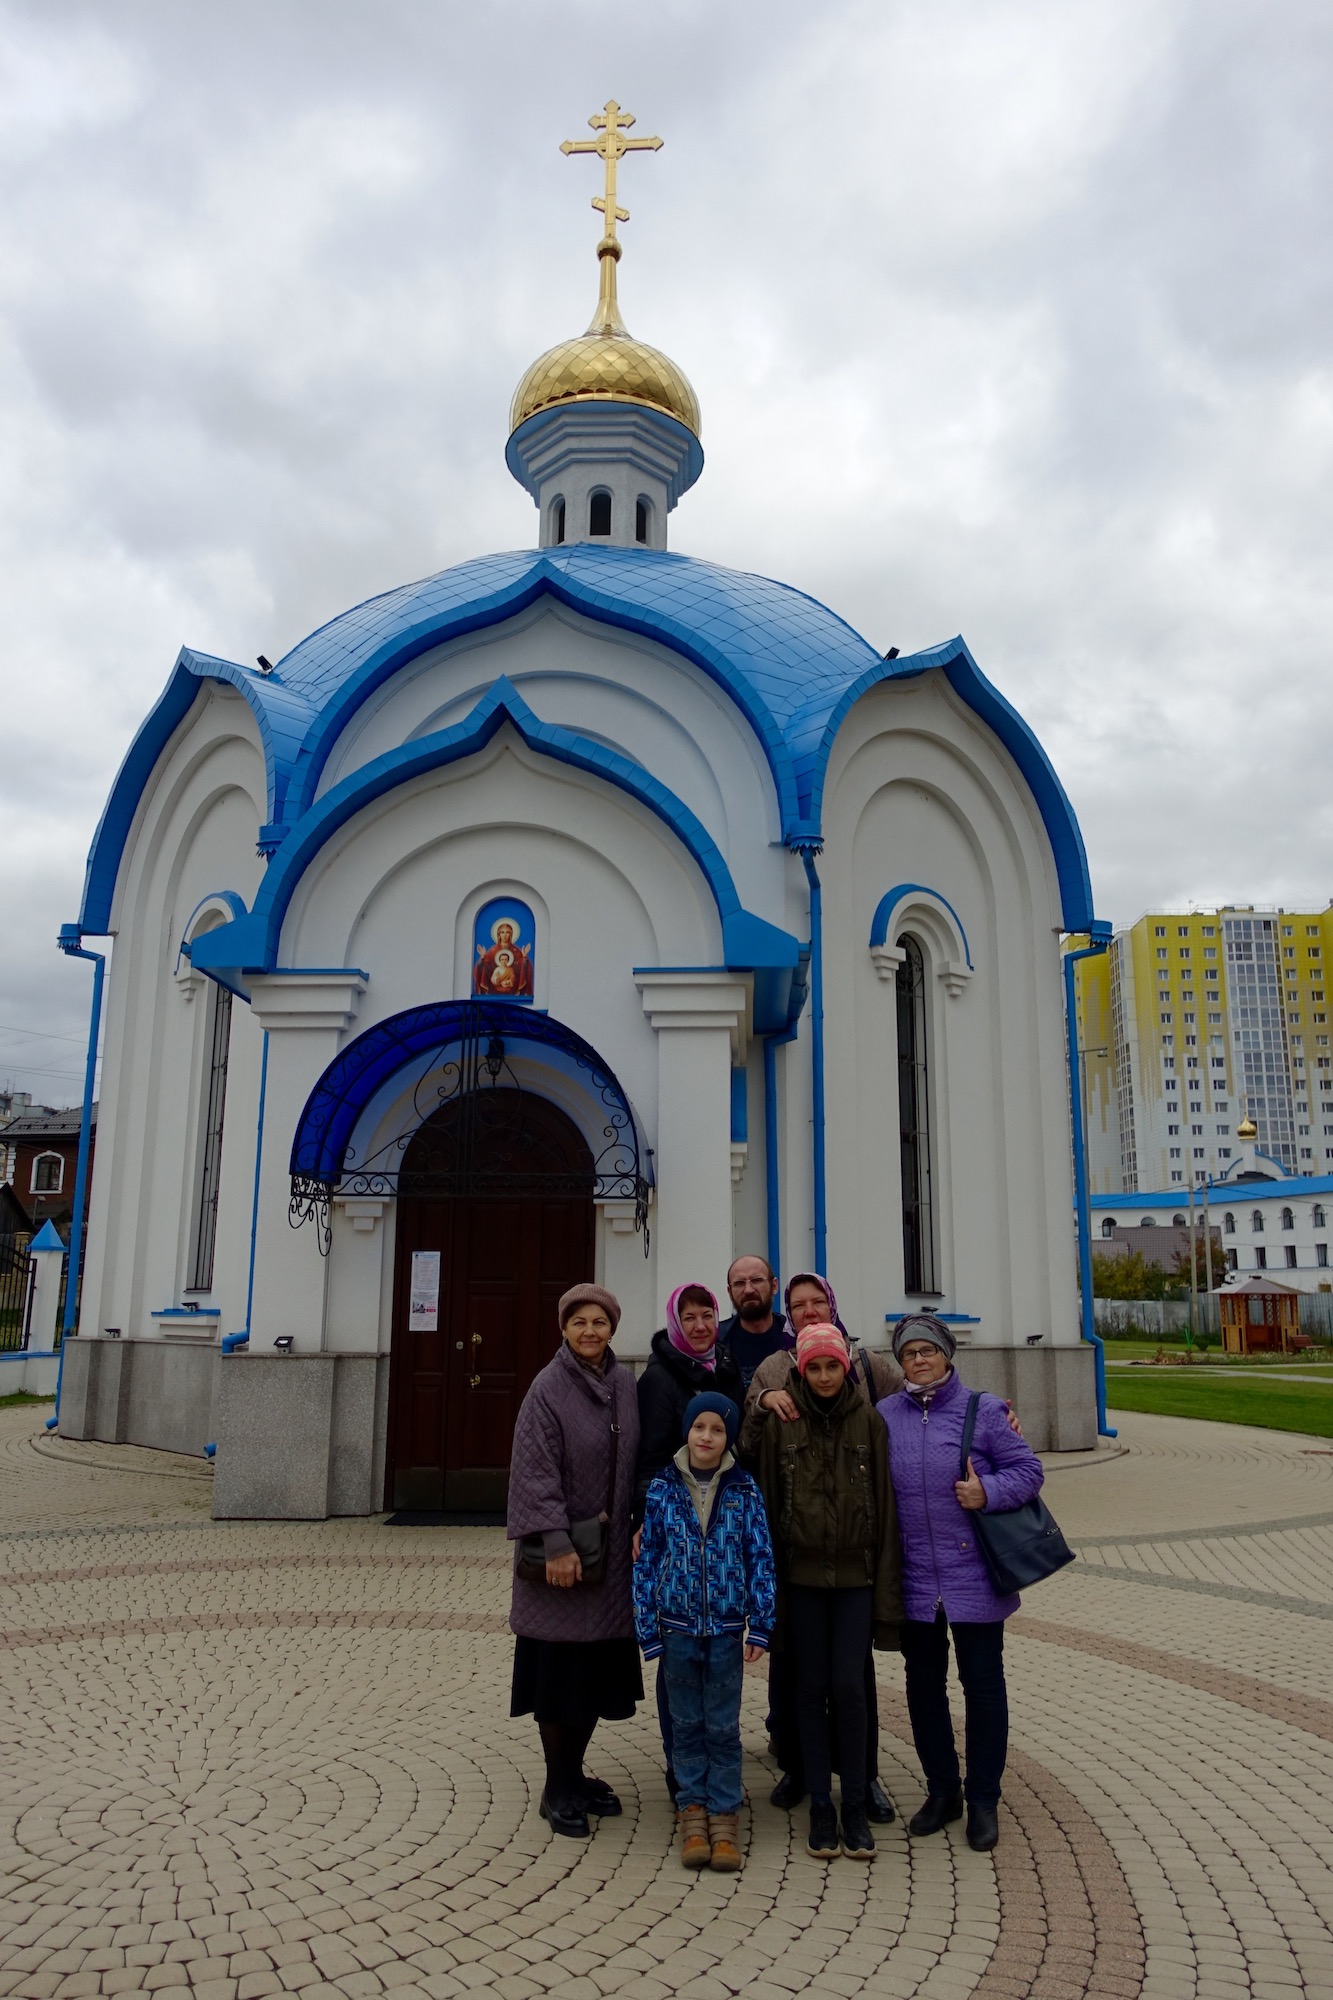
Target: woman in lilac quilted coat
946, 1585
576, 1660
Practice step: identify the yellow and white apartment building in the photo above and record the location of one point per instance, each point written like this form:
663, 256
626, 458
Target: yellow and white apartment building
1189, 1023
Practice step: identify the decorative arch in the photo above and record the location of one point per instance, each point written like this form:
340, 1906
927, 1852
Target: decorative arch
219, 906
456, 1048
911, 905
750, 943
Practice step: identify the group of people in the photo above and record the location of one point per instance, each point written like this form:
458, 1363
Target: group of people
768, 1486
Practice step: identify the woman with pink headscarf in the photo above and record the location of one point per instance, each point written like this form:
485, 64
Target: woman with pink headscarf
686, 1360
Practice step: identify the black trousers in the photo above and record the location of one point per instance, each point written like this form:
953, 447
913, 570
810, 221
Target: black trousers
827, 1635
979, 1656
785, 1731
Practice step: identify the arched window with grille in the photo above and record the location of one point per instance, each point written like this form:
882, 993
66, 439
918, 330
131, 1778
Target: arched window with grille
1108, 1225
1257, 1222
1229, 1223
914, 1123
209, 1175
1288, 1219
1317, 1216
48, 1173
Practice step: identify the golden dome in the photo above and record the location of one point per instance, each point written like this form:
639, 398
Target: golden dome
1247, 1129
598, 367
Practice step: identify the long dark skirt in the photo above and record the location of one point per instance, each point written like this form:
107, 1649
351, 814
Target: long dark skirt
576, 1682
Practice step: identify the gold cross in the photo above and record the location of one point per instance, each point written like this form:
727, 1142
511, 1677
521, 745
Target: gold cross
611, 145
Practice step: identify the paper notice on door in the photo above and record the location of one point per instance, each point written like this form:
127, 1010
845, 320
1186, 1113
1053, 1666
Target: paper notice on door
423, 1311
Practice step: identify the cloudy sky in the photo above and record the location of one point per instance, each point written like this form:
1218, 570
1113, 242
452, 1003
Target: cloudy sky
1008, 317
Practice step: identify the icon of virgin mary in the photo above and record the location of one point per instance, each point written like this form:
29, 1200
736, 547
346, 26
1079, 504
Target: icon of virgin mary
505, 967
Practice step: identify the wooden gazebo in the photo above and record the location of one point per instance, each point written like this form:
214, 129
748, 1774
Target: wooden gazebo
1259, 1316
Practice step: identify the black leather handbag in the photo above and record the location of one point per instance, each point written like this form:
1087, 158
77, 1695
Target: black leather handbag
591, 1538
1022, 1545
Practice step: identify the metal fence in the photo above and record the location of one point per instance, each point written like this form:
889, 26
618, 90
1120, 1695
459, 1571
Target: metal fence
1167, 1319
18, 1274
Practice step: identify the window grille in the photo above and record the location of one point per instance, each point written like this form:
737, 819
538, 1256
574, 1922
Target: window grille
210, 1150
914, 1122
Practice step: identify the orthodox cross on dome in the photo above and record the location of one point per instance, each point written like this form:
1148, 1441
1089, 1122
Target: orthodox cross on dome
611, 125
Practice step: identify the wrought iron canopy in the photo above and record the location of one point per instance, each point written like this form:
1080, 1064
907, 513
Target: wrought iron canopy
461, 1053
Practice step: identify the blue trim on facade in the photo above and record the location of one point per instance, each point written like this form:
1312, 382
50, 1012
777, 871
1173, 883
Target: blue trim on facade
792, 667
950, 1319
359, 1071
236, 904
250, 944
282, 716
812, 729
888, 903
740, 1105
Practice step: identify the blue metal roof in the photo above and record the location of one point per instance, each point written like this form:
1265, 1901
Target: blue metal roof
793, 667
1223, 1194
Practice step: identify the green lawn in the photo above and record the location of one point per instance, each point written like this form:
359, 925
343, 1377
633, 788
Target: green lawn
1253, 1396
10, 1402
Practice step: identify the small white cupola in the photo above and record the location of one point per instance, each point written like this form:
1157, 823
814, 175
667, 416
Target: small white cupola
604, 430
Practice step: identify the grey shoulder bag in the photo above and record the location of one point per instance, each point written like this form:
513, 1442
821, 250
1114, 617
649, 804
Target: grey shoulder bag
1022, 1545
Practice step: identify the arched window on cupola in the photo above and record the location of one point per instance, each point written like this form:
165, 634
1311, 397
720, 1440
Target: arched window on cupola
914, 1122
641, 514
558, 518
599, 513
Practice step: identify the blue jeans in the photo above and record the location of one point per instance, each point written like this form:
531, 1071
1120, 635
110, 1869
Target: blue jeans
703, 1686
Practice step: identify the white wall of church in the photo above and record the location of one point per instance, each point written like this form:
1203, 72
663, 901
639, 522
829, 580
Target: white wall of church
919, 792
194, 835
624, 693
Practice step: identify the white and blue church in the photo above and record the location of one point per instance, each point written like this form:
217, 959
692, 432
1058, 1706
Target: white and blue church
586, 911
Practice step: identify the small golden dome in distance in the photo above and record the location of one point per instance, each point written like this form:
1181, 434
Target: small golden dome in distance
1247, 1129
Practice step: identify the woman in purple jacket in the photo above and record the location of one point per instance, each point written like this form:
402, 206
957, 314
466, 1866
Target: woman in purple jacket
946, 1586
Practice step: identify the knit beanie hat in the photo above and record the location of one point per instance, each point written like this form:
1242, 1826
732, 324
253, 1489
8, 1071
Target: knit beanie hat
719, 1405
589, 1295
815, 1341
923, 1326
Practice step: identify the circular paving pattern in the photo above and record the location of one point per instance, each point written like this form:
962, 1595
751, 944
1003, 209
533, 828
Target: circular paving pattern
262, 1758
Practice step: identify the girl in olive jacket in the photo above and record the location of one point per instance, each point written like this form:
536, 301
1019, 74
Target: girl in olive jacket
830, 1506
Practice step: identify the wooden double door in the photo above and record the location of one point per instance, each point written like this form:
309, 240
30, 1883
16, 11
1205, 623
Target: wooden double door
517, 1234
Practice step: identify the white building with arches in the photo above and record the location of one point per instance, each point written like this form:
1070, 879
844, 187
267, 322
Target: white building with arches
583, 910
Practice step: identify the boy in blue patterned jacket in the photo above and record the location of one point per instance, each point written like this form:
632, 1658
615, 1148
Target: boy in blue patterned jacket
704, 1572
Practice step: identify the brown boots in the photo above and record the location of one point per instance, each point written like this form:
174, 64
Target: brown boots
695, 1847
723, 1833
709, 1838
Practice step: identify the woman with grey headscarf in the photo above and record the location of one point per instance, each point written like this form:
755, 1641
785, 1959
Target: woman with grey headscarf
947, 1589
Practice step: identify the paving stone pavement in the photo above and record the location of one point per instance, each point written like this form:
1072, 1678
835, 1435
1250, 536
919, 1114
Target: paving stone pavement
261, 1758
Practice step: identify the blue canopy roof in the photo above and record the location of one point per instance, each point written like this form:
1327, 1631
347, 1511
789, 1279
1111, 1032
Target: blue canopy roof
792, 666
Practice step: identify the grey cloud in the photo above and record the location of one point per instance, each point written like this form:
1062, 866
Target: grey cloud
1006, 316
